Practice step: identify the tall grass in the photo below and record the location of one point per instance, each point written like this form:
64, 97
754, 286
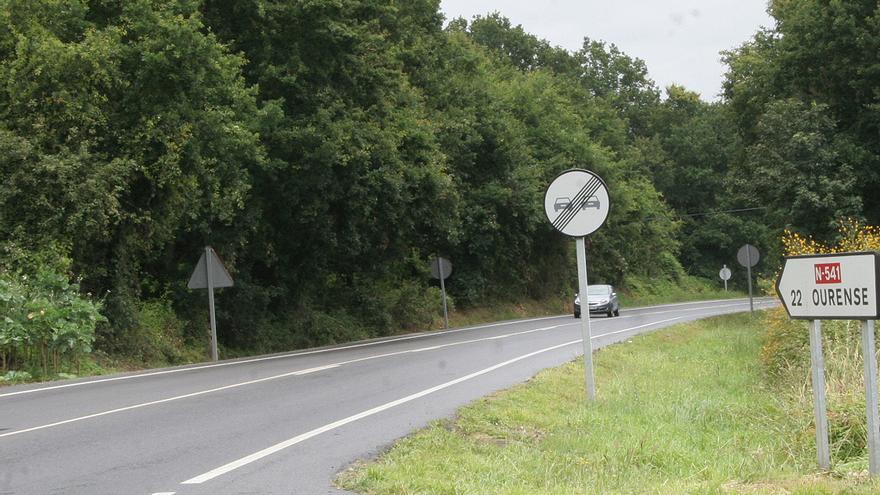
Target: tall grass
786, 361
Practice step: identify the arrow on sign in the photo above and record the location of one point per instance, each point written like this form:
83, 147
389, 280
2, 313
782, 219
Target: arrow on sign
830, 287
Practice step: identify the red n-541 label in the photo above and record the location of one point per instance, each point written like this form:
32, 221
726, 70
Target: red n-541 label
827, 273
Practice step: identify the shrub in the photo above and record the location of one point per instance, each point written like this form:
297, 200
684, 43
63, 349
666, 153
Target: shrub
46, 324
157, 337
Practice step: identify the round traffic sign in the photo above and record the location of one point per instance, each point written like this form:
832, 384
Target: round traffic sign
748, 255
577, 202
441, 266
724, 273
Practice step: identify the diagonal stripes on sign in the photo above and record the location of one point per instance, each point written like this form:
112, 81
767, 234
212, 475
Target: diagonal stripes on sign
574, 205
577, 203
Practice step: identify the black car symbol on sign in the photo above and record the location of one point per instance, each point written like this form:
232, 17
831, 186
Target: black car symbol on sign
562, 203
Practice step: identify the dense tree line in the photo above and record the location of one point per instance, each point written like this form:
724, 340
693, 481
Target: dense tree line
328, 149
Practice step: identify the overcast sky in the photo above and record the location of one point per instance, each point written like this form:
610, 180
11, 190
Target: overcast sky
679, 40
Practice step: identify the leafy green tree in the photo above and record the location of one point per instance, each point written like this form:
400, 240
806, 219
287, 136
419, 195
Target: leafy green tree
132, 137
354, 158
802, 169
819, 62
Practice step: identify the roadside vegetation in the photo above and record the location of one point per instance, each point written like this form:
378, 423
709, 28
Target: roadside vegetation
786, 357
328, 150
690, 409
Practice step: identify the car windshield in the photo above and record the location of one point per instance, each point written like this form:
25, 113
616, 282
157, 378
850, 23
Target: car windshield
598, 290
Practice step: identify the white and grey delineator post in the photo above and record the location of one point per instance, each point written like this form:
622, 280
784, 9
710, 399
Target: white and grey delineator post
841, 286
577, 204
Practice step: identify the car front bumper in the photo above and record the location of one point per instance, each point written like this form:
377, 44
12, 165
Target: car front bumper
600, 308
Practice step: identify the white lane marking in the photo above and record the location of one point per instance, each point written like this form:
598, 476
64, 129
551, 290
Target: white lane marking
333, 349
164, 493
672, 305
279, 356
315, 370
698, 309
163, 401
630, 329
251, 382
384, 407
342, 422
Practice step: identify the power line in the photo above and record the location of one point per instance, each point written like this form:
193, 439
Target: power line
738, 210
700, 214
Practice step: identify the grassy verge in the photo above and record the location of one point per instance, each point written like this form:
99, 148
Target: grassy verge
639, 291
644, 291
508, 311
685, 410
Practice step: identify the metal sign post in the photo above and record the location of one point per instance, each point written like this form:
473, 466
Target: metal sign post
586, 331
820, 409
748, 256
209, 274
873, 423
209, 260
577, 204
840, 286
442, 268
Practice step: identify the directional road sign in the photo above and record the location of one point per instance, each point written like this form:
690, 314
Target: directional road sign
577, 202
830, 287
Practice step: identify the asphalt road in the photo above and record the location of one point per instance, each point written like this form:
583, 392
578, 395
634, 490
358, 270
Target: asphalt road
281, 424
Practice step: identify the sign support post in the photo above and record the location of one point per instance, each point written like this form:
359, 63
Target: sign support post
586, 331
209, 262
748, 257
445, 312
873, 424
749, 270
823, 452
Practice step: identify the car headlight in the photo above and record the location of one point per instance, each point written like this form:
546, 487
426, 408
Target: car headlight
603, 301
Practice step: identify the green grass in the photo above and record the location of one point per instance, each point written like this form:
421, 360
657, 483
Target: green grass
645, 291
684, 410
639, 291
508, 311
